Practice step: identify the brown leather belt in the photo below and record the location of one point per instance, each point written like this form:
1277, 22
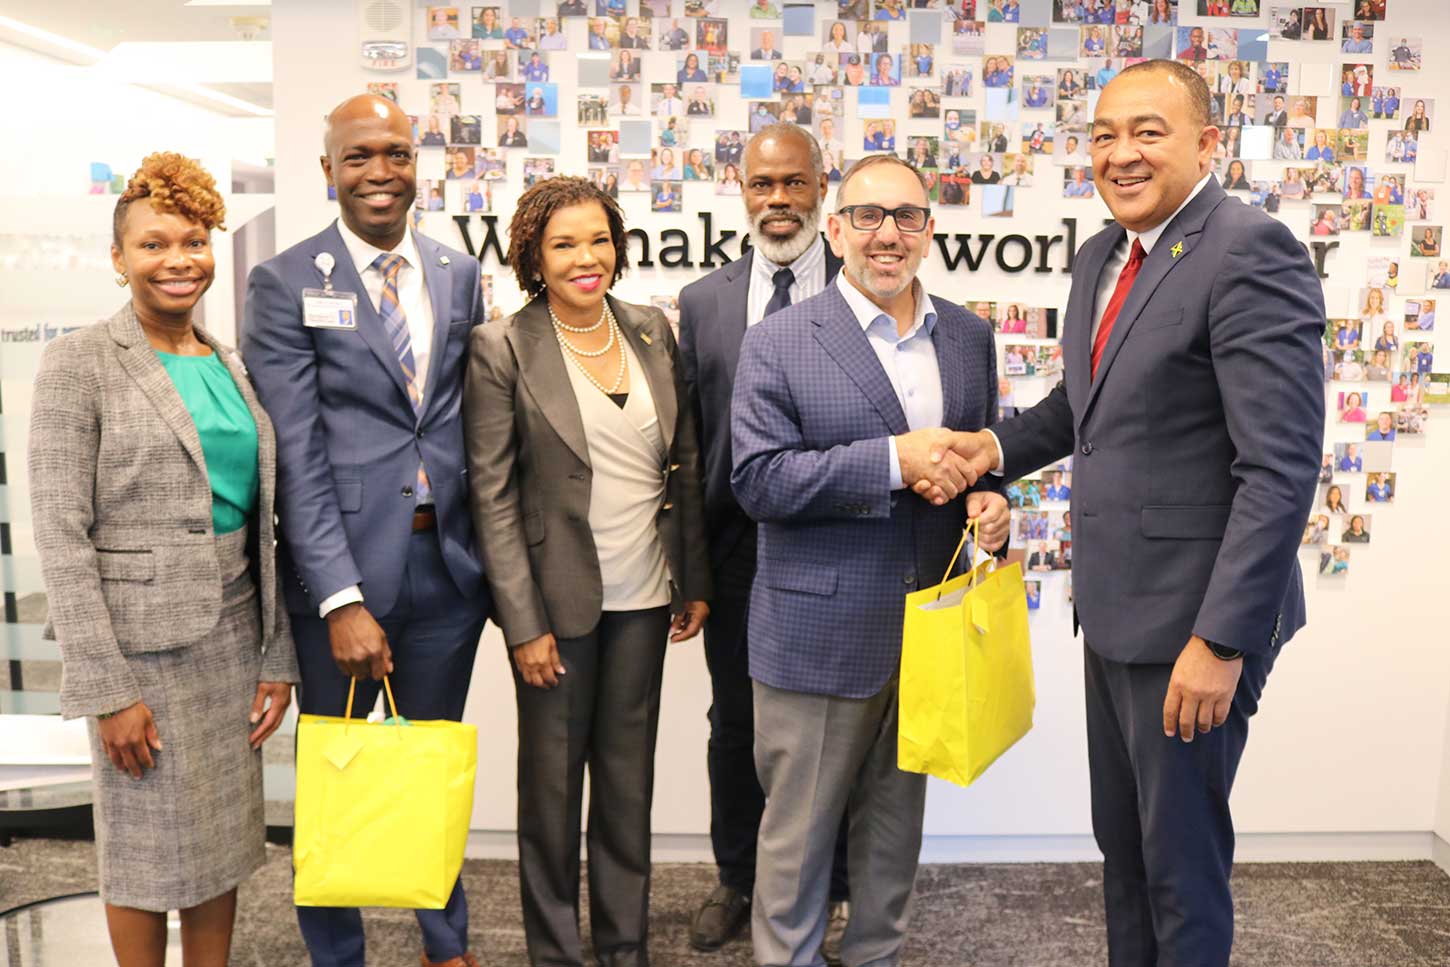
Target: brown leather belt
424, 519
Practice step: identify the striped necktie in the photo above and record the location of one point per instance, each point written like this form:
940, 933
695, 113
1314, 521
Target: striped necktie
395, 322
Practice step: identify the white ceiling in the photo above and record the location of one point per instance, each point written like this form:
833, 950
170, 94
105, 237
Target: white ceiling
103, 24
106, 23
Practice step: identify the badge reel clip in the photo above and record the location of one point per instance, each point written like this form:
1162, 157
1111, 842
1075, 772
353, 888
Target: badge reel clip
327, 308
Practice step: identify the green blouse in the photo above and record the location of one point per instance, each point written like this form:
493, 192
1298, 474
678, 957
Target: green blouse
228, 435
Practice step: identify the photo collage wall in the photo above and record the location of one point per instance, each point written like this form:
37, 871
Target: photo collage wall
991, 100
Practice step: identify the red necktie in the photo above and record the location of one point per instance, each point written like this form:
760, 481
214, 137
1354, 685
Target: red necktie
1115, 304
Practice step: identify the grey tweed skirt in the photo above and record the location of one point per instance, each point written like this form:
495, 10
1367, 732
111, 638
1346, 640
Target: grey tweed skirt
193, 827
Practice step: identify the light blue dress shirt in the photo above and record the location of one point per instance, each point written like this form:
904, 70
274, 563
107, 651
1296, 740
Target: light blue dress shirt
909, 361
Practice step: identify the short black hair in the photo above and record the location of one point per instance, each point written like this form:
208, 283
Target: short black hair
1195, 88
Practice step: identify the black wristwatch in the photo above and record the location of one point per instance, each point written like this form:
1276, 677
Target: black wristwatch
1224, 652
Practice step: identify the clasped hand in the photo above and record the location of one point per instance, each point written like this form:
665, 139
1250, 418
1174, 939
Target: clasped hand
931, 462
941, 463
944, 462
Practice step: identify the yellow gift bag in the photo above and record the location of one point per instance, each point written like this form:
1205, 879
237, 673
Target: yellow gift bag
967, 690
382, 810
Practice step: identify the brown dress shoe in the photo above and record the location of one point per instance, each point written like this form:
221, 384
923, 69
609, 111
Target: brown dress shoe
466, 960
719, 919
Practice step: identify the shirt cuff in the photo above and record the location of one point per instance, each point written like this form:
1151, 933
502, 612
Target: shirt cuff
348, 595
1001, 459
895, 468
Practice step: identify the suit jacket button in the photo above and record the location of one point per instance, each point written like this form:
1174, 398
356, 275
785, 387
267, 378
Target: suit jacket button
1087, 449
420, 434
407, 491
909, 579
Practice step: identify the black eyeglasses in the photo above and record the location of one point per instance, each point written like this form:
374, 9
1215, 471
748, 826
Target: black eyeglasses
868, 218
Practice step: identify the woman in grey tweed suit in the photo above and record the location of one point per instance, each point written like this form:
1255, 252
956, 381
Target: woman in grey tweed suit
152, 470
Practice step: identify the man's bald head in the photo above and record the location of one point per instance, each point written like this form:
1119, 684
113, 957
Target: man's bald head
362, 107
371, 163
785, 134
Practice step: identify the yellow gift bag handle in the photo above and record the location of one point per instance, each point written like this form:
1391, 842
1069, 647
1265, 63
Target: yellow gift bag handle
981, 613
387, 687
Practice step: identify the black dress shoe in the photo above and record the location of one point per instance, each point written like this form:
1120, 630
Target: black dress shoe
629, 957
719, 918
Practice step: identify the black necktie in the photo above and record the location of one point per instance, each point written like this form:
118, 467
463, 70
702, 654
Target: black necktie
783, 279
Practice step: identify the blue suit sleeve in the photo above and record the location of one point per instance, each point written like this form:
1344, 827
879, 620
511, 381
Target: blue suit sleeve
776, 476
282, 359
1041, 435
689, 361
992, 481
1266, 326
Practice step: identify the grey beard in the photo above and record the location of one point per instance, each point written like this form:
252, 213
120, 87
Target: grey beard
785, 251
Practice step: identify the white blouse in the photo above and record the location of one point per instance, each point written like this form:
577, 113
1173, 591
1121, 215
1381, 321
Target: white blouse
628, 456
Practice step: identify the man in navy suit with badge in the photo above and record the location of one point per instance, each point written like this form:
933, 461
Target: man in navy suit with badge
1192, 401
355, 339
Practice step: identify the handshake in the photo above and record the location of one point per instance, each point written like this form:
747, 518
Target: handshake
938, 464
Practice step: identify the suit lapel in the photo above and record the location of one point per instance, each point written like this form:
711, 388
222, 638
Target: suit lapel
841, 336
369, 324
732, 305
440, 295
1174, 248
1077, 334
141, 364
947, 341
655, 361
542, 368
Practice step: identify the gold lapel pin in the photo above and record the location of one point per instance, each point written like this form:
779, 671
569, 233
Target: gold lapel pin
443, 259
647, 340
1176, 250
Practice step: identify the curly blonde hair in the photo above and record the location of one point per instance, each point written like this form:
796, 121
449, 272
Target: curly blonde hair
173, 183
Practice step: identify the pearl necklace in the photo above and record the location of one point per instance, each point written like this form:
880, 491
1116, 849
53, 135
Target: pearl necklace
580, 329
575, 352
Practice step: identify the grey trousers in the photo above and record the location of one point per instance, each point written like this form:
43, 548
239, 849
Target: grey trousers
816, 755
604, 713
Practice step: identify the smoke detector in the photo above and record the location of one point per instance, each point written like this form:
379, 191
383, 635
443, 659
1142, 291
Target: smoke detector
249, 27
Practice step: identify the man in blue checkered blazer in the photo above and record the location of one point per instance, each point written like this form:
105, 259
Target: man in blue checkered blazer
838, 402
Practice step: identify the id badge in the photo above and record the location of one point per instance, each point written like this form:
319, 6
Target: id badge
329, 309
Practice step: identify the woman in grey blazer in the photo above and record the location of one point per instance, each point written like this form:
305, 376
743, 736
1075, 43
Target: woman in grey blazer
152, 469
584, 479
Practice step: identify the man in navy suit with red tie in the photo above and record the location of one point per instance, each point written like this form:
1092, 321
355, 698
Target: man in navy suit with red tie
1192, 400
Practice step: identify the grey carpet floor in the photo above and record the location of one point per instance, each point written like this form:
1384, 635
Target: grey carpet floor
1004, 915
